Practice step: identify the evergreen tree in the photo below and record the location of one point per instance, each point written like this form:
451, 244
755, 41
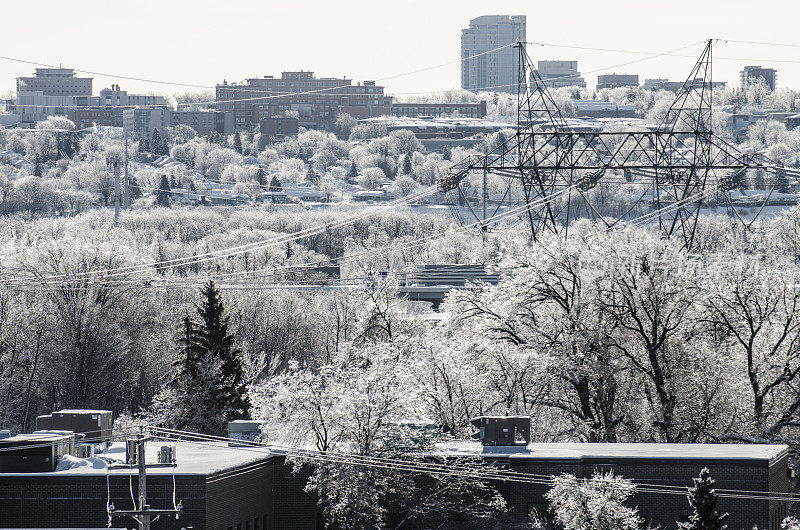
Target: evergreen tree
312, 176
501, 139
275, 184
164, 193
144, 145
134, 191
703, 500
447, 152
164, 146
37, 168
407, 165
261, 177
210, 379
155, 142
353, 170
237, 142
289, 251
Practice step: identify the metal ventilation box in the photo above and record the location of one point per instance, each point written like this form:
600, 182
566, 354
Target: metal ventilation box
95, 425
34, 453
502, 430
248, 431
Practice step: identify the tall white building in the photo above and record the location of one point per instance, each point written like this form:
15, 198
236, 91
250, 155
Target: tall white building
497, 71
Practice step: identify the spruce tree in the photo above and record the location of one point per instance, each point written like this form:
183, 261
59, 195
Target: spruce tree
237, 142
275, 184
134, 190
261, 177
164, 193
312, 176
703, 500
353, 170
155, 142
210, 378
407, 165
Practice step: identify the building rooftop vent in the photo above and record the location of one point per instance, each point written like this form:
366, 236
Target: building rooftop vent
502, 430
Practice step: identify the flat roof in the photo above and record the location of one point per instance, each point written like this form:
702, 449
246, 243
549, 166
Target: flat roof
191, 459
579, 450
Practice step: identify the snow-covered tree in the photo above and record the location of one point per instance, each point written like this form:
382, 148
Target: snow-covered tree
597, 503
703, 500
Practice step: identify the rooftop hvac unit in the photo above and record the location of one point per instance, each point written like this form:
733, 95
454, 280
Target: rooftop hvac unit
502, 430
131, 448
95, 425
166, 454
84, 450
248, 431
33, 453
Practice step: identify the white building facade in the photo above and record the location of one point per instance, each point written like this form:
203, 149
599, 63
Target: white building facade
497, 71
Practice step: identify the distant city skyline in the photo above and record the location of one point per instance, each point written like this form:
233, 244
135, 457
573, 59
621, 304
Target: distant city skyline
204, 42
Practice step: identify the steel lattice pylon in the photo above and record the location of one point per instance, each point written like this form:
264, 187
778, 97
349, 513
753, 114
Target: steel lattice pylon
556, 166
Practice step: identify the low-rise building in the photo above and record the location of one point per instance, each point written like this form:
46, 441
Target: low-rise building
316, 101
415, 110
617, 81
218, 487
762, 471
141, 122
430, 127
675, 86
278, 128
557, 74
592, 108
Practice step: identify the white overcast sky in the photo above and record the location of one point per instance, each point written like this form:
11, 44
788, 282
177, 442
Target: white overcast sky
203, 42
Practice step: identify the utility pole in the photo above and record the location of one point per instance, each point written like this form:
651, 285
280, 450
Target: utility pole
126, 199
144, 521
116, 192
142, 513
485, 193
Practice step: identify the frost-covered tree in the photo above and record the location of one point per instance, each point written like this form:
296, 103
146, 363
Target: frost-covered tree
597, 503
703, 500
371, 178
164, 193
208, 387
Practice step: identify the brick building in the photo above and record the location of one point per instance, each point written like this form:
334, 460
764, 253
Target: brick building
617, 81
317, 101
141, 122
464, 110
755, 468
219, 488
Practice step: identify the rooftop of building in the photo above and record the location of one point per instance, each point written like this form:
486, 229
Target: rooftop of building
577, 450
191, 459
423, 122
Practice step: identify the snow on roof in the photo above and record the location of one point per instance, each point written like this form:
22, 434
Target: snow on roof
82, 411
435, 122
191, 459
579, 450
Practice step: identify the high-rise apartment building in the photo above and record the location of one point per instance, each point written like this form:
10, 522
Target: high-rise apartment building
749, 73
497, 71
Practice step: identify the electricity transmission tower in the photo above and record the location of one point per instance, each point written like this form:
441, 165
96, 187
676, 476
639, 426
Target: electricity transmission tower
554, 166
